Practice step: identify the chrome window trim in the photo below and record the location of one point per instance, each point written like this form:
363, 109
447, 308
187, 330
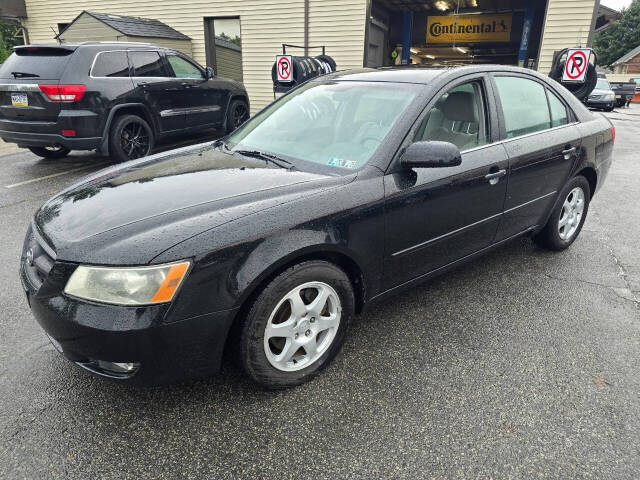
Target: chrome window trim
93, 64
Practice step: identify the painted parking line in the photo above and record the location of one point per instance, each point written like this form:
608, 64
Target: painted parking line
53, 175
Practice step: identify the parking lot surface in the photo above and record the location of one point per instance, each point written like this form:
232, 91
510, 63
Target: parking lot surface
522, 364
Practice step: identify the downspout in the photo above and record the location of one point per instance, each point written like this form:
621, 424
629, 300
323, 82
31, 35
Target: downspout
306, 28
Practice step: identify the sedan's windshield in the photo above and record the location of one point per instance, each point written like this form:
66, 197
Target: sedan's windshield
339, 124
603, 84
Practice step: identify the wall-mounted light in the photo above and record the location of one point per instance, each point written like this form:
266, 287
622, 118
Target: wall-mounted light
414, 51
431, 57
461, 50
441, 5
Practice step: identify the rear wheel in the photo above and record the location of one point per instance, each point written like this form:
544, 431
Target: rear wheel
297, 324
567, 218
50, 151
130, 137
237, 114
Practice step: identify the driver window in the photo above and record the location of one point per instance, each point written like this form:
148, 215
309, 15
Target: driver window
459, 117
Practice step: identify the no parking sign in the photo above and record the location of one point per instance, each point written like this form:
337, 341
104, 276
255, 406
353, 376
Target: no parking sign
575, 68
284, 68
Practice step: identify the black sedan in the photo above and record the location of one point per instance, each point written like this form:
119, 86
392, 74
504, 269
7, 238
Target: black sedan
348, 189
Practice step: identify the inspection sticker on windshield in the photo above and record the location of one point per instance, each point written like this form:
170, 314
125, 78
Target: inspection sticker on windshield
19, 100
341, 162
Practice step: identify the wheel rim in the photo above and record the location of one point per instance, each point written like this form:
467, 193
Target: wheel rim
134, 140
302, 326
571, 214
238, 116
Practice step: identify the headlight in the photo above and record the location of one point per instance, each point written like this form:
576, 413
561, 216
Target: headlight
127, 285
610, 96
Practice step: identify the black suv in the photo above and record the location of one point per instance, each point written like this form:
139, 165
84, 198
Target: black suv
115, 97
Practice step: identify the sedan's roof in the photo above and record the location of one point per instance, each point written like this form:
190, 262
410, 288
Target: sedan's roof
415, 74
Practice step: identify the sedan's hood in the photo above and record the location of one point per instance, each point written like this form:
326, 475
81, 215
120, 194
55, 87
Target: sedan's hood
129, 214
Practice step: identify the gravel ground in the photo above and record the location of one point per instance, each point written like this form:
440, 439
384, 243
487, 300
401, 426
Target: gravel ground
523, 364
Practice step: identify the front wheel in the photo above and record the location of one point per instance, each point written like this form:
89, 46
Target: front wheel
568, 216
52, 151
297, 324
130, 137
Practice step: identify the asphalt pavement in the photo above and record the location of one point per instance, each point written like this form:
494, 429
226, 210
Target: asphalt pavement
522, 364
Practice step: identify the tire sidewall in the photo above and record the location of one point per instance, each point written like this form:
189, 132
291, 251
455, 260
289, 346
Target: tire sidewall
253, 357
115, 148
552, 234
49, 154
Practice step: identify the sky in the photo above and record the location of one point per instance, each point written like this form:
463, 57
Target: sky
616, 4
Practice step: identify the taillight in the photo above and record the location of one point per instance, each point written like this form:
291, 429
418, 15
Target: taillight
613, 134
63, 93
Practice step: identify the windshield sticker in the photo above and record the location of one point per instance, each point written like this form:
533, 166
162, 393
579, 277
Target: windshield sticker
341, 162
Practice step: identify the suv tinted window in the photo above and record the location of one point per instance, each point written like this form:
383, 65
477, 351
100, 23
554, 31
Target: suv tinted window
111, 64
524, 105
147, 64
32, 62
457, 117
559, 115
182, 68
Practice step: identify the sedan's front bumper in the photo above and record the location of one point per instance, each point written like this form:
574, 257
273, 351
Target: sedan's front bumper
93, 335
600, 103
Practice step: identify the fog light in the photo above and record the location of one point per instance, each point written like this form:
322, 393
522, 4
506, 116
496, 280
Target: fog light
117, 367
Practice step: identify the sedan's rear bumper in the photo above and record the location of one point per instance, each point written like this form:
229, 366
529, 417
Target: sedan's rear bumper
90, 334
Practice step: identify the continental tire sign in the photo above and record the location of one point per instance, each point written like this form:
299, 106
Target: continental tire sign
469, 28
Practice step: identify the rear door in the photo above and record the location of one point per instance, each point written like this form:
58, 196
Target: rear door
21, 74
162, 93
204, 99
542, 142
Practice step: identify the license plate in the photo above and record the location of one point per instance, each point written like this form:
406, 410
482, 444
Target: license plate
19, 100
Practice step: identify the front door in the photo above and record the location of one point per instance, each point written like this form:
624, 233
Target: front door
204, 98
542, 143
435, 216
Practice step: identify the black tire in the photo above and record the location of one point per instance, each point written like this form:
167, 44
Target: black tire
549, 237
608, 109
130, 137
252, 334
53, 152
237, 114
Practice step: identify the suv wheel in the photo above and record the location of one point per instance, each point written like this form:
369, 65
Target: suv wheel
130, 137
50, 151
297, 324
237, 114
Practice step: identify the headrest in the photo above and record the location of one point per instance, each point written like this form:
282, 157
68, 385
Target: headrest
460, 107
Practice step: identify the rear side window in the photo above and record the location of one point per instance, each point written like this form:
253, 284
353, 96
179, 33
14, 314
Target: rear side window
111, 64
147, 64
31, 62
559, 115
182, 68
524, 105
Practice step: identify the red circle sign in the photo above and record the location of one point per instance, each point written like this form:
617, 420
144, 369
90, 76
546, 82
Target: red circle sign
575, 68
284, 68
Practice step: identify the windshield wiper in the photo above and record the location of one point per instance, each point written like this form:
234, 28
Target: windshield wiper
268, 157
23, 74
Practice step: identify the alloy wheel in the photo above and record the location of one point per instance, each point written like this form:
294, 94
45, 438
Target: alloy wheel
571, 214
302, 326
239, 115
134, 140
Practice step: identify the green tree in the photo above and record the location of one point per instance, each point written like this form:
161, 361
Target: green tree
621, 37
8, 31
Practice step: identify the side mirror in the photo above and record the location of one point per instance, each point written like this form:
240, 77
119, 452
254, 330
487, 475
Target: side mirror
210, 73
431, 154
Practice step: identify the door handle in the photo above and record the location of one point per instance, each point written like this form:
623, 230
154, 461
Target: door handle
494, 177
568, 152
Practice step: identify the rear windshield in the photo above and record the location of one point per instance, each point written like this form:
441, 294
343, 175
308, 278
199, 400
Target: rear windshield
47, 63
